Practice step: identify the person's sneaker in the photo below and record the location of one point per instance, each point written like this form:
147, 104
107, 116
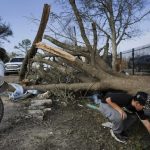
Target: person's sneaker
118, 137
107, 125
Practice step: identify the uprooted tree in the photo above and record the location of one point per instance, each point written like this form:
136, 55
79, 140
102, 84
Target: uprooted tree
93, 73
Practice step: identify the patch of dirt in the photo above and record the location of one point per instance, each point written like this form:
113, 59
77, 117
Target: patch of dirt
12, 78
66, 128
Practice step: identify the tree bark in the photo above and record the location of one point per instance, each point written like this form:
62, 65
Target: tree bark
32, 51
128, 85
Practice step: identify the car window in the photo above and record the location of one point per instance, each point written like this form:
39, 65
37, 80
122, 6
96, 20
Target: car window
16, 59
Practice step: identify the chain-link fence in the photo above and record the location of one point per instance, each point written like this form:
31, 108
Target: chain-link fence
136, 60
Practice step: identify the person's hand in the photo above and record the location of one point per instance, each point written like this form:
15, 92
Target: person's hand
123, 114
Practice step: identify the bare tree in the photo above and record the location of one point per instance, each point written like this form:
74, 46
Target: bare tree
24, 46
116, 19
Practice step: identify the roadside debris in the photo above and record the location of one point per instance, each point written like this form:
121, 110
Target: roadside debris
20, 93
39, 108
43, 95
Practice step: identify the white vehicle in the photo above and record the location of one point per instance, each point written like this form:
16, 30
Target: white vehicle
14, 65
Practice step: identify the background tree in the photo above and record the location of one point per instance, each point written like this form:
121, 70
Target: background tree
15, 54
24, 46
5, 31
115, 19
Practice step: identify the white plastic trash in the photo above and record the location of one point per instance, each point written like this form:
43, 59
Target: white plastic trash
17, 93
35, 92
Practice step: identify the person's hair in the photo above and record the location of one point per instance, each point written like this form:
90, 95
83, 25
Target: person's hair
141, 97
3, 55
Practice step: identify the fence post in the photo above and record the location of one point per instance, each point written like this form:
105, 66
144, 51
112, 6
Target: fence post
121, 56
120, 63
133, 61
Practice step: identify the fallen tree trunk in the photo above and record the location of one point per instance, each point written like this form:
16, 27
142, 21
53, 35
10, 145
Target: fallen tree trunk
107, 81
113, 83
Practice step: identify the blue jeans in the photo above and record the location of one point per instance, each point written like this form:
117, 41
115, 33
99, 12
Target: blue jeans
114, 116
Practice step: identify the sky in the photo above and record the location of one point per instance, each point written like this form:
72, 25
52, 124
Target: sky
17, 14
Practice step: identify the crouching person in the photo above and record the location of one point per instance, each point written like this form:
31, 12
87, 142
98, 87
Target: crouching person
123, 110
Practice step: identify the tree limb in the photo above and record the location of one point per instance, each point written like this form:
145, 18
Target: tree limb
62, 69
74, 61
31, 53
74, 50
112, 83
93, 53
81, 26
